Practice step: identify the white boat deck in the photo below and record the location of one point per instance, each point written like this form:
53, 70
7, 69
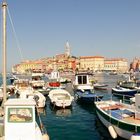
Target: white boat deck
21, 102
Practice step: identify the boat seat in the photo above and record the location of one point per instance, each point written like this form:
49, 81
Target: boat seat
116, 113
127, 113
112, 107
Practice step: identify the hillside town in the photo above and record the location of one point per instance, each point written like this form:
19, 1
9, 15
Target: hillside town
67, 62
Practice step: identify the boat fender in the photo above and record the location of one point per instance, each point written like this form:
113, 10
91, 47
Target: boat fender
112, 132
135, 136
45, 137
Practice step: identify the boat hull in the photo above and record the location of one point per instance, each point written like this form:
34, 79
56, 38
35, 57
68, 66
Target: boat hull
87, 96
83, 87
125, 92
100, 86
61, 104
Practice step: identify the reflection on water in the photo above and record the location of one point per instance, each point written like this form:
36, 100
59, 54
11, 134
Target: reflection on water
103, 131
90, 107
60, 111
63, 112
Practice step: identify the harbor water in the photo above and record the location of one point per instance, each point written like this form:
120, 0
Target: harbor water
79, 122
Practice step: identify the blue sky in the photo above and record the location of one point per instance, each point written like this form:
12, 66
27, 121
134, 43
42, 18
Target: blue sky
110, 28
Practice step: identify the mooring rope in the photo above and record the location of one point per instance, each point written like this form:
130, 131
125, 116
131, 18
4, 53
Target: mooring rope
43, 129
15, 35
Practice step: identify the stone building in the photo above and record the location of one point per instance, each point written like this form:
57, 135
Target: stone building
116, 64
94, 63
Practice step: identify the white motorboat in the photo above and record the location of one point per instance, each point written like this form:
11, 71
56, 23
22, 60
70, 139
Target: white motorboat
60, 98
37, 80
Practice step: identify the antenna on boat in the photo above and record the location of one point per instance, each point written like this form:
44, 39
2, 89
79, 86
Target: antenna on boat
4, 37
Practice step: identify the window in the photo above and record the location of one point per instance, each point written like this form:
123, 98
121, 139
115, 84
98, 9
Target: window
79, 80
20, 115
82, 79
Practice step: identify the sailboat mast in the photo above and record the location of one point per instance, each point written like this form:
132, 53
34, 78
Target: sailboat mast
4, 10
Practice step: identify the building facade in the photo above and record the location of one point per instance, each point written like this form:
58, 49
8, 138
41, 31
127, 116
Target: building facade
116, 64
94, 63
63, 63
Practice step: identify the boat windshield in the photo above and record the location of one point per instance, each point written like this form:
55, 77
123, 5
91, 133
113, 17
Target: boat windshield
82, 79
20, 115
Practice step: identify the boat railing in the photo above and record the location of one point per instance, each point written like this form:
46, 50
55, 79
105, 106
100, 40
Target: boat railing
122, 98
125, 101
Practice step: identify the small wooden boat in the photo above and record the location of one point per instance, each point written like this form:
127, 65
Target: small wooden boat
122, 119
98, 86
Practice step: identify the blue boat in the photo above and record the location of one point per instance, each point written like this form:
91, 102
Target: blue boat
123, 91
87, 95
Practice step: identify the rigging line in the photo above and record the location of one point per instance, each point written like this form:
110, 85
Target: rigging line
17, 42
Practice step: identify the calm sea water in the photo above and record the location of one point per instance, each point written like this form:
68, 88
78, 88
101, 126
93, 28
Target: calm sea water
80, 122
